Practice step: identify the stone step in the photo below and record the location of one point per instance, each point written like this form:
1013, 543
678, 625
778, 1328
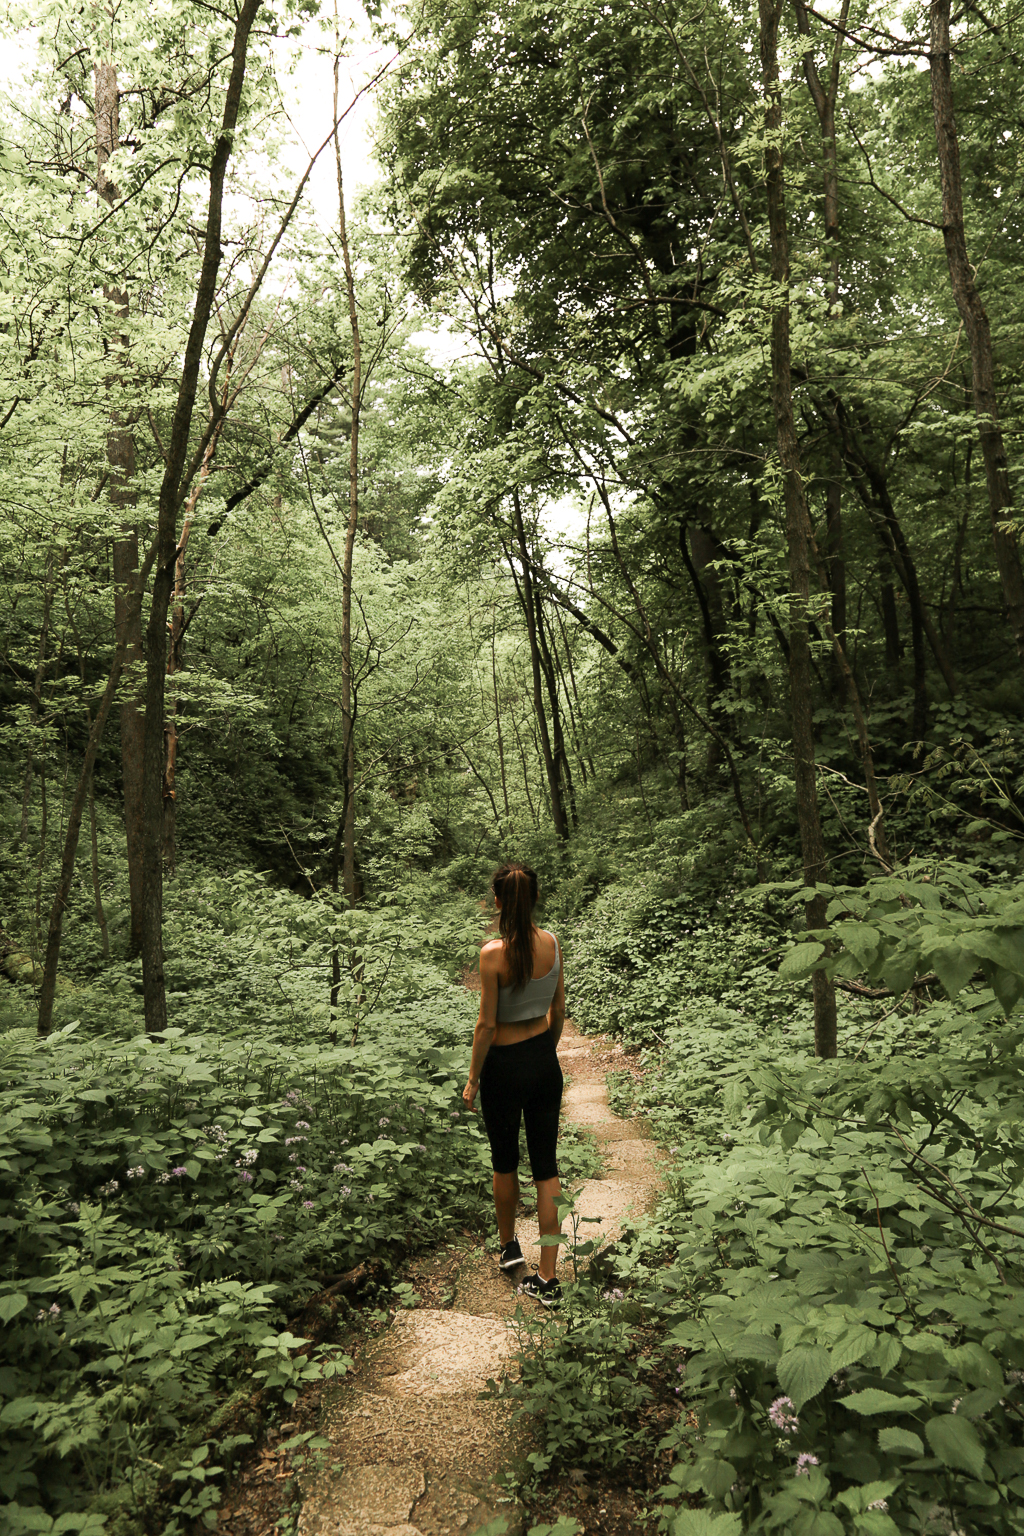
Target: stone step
585, 1093
427, 1353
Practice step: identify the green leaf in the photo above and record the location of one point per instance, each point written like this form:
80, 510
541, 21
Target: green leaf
11, 1305
874, 1400
861, 939
756, 1346
954, 967
716, 1477
977, 1366
900, 969
803, 1371
851, 1347
799, 961
697, 1522
900, 1442
955, 1442
867, 1493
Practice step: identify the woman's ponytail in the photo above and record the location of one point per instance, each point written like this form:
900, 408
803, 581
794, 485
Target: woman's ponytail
515, 886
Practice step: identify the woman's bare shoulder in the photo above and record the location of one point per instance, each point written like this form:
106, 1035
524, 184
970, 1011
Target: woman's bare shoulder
493, 950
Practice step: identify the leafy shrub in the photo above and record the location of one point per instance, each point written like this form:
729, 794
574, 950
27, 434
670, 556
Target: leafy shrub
162, 1203
640, 969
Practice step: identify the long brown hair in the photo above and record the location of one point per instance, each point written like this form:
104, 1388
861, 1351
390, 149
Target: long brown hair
515, 886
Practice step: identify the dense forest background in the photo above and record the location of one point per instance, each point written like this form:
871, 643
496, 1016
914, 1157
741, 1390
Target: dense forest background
625, 482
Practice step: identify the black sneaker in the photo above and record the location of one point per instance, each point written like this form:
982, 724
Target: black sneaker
511, 1255
547, 1292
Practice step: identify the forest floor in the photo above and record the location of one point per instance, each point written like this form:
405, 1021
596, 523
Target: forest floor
415, 1450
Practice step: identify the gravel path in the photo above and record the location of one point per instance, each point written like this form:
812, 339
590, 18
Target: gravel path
414, 1451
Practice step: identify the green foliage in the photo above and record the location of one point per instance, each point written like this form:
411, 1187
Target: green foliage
649, 957
165, 1204
832, 1290
935, 918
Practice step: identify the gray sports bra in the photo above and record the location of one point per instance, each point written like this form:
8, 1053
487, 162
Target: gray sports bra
533, 999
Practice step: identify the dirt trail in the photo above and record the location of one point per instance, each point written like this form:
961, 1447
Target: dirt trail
414, 1451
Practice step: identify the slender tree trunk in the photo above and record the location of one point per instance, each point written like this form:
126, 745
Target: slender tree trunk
877, 840
37, 914
71, 836
834, 548
975, 320
524, 586
128, 631
798, 524
870, 481
561, 756
347, 708
567, 686
121, 493
525, 767
165, 548
35, 702
586, 761
175, 650
699, 549
890, 625
97, 894
497, 719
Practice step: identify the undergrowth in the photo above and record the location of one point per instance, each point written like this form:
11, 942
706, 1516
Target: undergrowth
821, 1329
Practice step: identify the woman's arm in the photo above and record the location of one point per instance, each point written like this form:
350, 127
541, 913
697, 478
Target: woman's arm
487, 1021
556, 1013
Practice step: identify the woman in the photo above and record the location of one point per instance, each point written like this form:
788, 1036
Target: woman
515, 1066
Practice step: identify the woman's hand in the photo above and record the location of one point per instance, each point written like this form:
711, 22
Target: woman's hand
469, 1093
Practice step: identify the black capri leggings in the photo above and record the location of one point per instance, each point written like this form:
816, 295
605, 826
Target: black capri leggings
522, 1081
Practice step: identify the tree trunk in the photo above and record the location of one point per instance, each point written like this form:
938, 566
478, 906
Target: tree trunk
71, 835
585, 760
35, 703
497, 720
347, 705
834, 549
890, 625
525, 767
165, 548
699, 548
561, 756
175, 651
525, 587
121, 493
975, 321
798, 525
97, 894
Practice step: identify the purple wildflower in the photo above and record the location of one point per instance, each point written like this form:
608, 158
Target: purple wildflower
244, 1176
307, 1205
302, 1125
881, 1504
804, 1462
784, 1416
178, 1173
